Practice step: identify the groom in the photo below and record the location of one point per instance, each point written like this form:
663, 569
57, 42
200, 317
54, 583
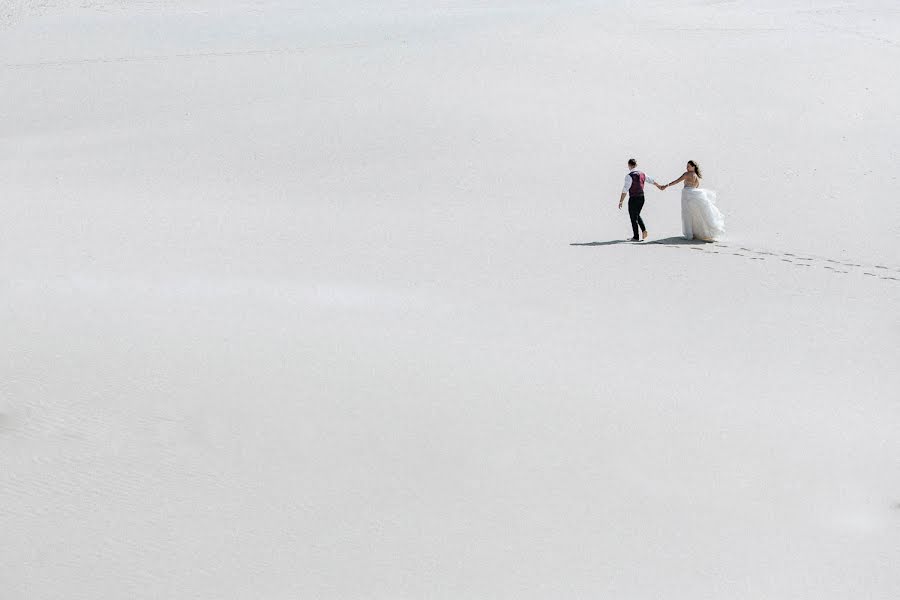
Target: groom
634, 187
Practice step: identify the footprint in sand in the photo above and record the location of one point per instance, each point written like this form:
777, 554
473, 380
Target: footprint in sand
799, 261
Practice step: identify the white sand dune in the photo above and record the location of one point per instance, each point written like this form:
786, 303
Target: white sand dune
325, 300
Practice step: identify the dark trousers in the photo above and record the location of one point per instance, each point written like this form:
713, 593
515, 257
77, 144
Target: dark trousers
635, 204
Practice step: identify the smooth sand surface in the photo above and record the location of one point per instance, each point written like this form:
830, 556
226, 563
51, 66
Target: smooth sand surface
327, 300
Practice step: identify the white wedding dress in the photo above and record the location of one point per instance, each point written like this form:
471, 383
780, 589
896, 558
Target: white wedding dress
700, 218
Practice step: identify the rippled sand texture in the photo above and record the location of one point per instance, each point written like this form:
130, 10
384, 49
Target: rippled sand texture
329, 300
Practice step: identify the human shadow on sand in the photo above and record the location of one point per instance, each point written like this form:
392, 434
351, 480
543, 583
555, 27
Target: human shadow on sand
671, 241
609, 243
678, 241
836, 266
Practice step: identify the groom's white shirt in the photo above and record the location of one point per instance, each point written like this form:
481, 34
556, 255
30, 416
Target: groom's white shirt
647, 179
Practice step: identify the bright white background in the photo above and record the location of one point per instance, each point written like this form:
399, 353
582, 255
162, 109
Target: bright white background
291, 307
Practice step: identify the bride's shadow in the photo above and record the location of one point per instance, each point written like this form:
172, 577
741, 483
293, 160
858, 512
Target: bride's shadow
671, 241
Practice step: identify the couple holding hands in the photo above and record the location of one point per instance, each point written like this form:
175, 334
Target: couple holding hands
700, 218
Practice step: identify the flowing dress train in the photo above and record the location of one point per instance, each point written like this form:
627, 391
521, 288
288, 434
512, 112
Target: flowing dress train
700, 217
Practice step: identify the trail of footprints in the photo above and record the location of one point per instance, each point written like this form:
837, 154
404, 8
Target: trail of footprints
808, 262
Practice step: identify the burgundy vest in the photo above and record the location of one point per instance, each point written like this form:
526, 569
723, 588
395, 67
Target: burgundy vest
637, 183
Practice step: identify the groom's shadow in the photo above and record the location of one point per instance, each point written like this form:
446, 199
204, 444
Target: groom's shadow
671, 241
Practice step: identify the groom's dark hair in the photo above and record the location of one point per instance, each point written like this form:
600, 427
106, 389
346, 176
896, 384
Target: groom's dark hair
632, 163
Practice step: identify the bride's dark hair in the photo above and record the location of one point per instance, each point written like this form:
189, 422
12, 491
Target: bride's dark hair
696, 168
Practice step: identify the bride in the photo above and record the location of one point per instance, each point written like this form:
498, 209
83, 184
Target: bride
700, 218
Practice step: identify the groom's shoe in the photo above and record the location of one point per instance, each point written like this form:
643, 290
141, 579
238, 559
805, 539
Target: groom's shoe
632, 240
645, 234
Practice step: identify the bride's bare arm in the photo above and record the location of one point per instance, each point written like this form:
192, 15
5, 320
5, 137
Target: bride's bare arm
677, 180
